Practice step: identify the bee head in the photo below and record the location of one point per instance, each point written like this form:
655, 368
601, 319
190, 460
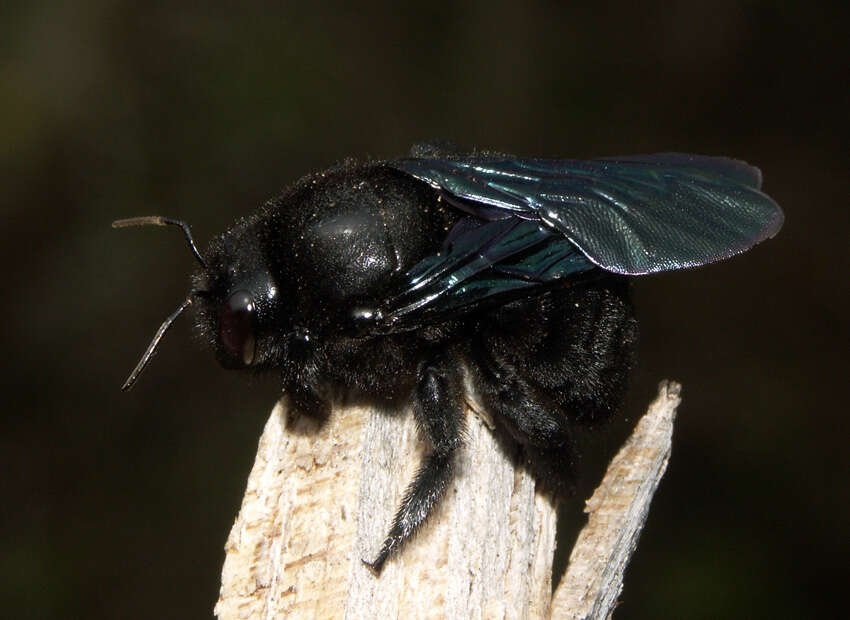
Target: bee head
235, 297
239, 306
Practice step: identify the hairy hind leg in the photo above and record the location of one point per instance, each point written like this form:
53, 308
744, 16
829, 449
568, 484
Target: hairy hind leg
575, 345
546, 364
533, 421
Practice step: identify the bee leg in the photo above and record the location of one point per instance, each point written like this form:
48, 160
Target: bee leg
307, 402
438, 408
548, 365
540, 427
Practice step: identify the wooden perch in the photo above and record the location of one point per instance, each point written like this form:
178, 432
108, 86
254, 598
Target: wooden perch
617, 513
321, 498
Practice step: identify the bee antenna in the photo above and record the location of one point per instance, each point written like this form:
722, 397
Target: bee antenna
146, 358
158, 220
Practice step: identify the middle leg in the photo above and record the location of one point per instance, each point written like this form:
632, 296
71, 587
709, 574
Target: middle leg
438, 409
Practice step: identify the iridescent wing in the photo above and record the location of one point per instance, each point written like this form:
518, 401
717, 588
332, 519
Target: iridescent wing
629, 215
535, 221
481, 262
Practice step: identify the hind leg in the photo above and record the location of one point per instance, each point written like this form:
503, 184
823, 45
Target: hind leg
546, 364
588, 351
531, 420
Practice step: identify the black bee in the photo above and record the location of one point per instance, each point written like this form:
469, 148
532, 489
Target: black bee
395, 279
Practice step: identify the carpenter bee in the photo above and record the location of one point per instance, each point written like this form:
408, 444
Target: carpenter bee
397, 279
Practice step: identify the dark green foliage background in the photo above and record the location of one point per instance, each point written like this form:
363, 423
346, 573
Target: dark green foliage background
119, 505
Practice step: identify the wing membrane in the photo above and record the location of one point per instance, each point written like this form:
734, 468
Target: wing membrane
480, 261
629, 215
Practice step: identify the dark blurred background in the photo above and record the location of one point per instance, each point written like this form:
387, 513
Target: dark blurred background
119, 505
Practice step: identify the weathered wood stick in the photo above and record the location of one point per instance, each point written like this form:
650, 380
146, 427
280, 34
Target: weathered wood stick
320, 498
617, 513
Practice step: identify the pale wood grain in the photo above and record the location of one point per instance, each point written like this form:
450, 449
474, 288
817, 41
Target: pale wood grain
617, 512
320, 498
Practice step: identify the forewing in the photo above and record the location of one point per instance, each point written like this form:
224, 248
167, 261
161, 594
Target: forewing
629, 215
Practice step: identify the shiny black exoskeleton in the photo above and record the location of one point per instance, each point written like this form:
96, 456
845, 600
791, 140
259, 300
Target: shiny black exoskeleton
399, 280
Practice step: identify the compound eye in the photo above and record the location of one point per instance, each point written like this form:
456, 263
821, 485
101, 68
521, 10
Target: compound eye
236, 329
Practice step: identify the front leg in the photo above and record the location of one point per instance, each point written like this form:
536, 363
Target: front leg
306, 400
438, 408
